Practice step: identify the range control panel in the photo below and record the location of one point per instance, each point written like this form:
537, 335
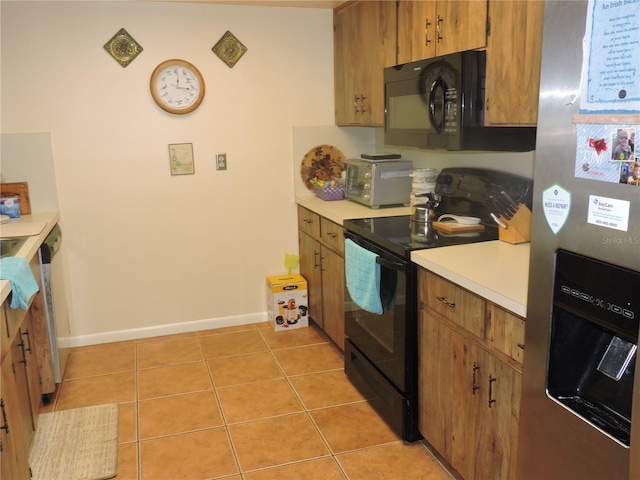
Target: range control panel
480, 185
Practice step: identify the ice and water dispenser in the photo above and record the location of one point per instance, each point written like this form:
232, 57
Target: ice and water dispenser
594, 337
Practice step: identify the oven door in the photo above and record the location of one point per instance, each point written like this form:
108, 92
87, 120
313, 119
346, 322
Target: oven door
381, 338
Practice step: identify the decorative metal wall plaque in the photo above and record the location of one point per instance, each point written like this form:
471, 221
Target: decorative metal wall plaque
123, 47
229, 49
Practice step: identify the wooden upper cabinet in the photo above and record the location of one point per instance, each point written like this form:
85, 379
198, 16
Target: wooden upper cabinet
514, 49
416, 31
428, 29
364, 43
463, 25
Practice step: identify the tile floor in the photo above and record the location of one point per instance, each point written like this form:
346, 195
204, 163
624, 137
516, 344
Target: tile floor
239, 403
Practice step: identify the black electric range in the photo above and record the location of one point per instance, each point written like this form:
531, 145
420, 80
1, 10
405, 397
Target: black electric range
381, 347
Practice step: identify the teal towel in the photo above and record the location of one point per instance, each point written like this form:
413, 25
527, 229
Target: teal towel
23, 283
362, 273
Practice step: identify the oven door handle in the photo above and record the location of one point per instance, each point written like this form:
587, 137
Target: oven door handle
401, 267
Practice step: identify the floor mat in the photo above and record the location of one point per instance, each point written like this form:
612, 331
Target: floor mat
81, 443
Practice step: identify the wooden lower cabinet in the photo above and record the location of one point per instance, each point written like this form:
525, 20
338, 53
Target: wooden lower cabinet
469, 398
321, 249
309, 249
16, 417
333, 295
26, 370
14, 463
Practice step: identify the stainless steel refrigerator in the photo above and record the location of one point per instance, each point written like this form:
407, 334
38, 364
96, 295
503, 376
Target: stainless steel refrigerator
580, 409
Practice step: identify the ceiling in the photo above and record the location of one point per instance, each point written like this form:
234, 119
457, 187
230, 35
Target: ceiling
270, 3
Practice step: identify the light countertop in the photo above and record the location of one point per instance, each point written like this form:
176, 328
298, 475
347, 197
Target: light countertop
497, 271
23, 226
340, 210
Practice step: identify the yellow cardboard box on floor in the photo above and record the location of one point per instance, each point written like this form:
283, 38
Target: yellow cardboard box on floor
287, 302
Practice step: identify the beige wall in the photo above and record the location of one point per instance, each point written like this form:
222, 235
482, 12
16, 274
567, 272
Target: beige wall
145, 252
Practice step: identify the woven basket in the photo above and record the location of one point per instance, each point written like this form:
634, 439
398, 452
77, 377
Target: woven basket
328, 192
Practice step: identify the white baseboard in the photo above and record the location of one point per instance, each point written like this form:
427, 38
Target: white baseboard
159, 330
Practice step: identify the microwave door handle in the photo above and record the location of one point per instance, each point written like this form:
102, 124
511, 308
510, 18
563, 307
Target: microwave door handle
438, 125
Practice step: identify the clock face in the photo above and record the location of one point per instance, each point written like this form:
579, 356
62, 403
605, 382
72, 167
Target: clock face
177, 86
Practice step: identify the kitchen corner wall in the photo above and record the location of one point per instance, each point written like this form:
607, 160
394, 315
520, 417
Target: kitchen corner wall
145, 252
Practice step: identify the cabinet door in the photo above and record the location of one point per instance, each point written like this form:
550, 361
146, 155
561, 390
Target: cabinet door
39, 337
378, 51
309, 250
333, 295
14, 462
435, 385
514, 49
460, 25
33, 370
364, 43
416, 30
497, 422
468, 392
19, 369
346, 59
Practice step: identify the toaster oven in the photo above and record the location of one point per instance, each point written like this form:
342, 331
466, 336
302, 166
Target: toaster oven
377, 183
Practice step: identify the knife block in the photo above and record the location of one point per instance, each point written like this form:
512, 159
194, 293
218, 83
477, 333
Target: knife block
518, 228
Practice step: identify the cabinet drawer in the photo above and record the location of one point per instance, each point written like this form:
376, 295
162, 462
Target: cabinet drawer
453, 302
505, 332
309, 222
332, 235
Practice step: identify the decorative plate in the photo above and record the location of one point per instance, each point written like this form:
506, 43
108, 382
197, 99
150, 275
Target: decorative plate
322, 162
229, 49
123, 47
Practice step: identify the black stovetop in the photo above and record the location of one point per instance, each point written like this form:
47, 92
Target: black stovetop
401, 236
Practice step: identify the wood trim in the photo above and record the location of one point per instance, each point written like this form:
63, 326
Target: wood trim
607, 119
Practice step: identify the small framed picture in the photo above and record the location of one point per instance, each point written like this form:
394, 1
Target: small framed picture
181, 158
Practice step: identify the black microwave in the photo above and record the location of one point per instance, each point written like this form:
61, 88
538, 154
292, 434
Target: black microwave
439, 103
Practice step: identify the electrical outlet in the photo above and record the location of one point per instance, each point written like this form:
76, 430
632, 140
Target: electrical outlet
221, 161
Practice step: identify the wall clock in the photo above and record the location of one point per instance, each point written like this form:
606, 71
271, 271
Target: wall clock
177, 86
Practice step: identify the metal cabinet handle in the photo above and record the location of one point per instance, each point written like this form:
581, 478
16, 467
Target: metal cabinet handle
438, 31
362, 99
332, 235
491, 380
521, 345
5, 425
448, 304
24, 353
307, 221
316, 256
26, 334
474, 387
427, 24
355, 104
